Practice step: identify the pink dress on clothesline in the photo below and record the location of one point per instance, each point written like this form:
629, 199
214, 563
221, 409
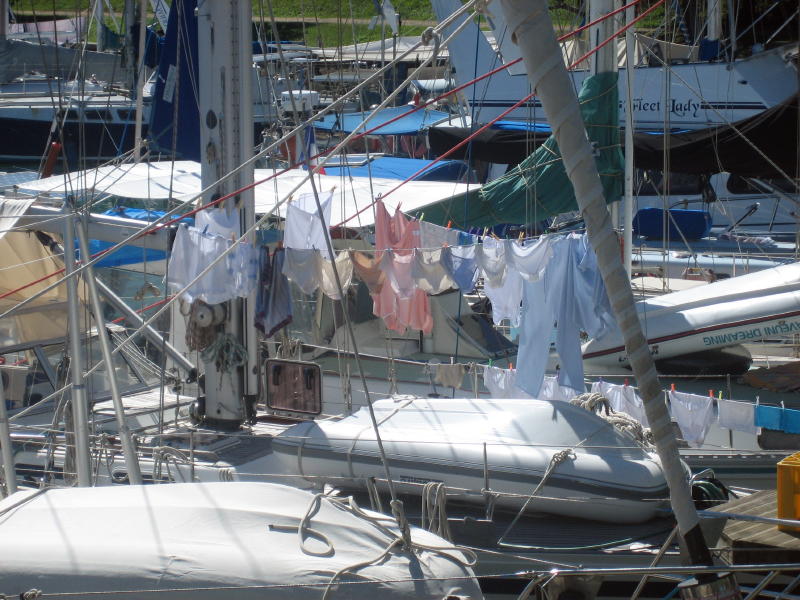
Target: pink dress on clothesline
399, 302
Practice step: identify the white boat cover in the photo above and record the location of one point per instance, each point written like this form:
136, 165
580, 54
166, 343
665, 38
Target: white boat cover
733, 311
157, 180
217, 540
610, 478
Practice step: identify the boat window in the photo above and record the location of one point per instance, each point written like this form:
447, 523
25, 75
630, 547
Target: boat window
25, 381
740, 185
99, 115
126, 114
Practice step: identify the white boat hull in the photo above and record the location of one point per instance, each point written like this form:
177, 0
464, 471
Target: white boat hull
726, 313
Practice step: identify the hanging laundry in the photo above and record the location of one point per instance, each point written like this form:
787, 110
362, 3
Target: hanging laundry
491, 259
523, 261
467, 239
274, 299
243, 264
535, 333
450, 375
791, 420
396, 268
218, 221
769, 417
367, 269
459, 262
530, 258
399, 303
622, 398
502, 383
304, 230
505, 298
193, 251
693, 414
428, 272
738, 416
327, 279
570, 293
435, 236
301, 266
552, 390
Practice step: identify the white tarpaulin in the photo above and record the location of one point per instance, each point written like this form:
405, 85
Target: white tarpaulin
215, 540
352, 198
11, 210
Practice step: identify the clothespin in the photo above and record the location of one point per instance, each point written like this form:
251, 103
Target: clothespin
490, 362
671, 387
710, 393
422, 217
521, 235
449, 224
511, 366
625, 382
720, 395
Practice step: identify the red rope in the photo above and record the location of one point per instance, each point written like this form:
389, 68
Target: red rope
146, 308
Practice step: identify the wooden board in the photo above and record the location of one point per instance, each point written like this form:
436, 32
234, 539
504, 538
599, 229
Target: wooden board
757, 543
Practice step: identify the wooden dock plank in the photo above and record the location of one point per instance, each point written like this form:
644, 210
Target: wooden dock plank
758, 543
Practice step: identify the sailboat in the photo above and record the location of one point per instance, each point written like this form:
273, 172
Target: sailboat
699, 95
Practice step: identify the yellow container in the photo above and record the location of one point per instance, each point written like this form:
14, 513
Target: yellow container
789, 490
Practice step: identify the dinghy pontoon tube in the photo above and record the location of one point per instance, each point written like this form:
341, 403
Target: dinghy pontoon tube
609, 477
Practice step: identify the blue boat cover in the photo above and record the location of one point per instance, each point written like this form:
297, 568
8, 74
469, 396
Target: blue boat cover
686, 223
128, 255
407, 125
393, 167
522, 126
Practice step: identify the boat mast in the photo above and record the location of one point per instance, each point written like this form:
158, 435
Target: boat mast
140, 76
78, 395
6, 453
714, 27
604, 60
532, 29
627, 204
126, 440
99, 17
226, 142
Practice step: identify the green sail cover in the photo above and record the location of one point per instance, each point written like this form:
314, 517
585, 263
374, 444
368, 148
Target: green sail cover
538, 187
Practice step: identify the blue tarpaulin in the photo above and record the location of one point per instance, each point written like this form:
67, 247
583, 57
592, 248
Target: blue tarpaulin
407, 125
392, 167
128, 255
